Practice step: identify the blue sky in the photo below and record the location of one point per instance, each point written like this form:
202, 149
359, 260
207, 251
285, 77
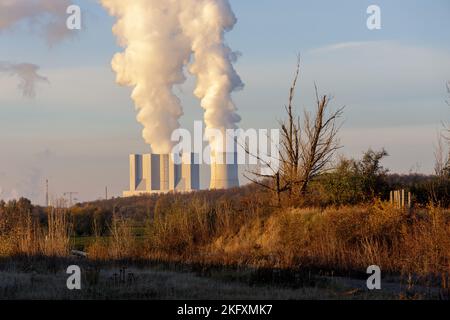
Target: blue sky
79, 129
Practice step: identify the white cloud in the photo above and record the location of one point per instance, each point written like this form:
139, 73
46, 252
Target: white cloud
340, 46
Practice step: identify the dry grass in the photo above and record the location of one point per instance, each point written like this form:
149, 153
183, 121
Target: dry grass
247, 232
22, 234
161, 284
352, 238
344, 239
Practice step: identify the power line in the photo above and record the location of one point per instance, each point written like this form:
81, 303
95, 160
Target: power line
46, 193
70, 194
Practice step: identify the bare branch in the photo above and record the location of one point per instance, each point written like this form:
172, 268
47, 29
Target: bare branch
448, 91
305, 149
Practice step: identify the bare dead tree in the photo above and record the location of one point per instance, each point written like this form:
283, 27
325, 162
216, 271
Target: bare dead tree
290, 139
273, 181
447, 136
280, 179
442, 162
448, 91
305, 148
318, 141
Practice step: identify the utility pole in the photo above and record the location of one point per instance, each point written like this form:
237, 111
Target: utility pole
70, 194
106, 192
46, 193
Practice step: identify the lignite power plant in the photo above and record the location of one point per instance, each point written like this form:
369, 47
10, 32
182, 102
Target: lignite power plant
162, 173
161, 40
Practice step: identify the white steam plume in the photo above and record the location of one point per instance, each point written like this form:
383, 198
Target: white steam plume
156, 52
205, 23
46, 16
27, 74
160, 38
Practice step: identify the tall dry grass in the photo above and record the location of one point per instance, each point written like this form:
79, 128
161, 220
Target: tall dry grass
241, 232
120, 245
23, 234
246, 230
55, 240
352, 238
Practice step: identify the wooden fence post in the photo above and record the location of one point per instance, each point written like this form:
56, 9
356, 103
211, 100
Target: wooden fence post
403, 198
397, 199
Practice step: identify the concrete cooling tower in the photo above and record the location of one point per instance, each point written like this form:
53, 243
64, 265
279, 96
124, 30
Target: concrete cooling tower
160, 173
224, 171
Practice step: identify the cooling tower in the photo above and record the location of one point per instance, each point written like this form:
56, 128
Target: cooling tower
190, 173
159, 173
224, 171
164, 172
135, 171
175, 171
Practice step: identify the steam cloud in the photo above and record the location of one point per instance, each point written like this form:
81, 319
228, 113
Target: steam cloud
46, 16
27, 74
161, 38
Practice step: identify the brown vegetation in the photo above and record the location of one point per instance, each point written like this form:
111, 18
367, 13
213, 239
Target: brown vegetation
241, 229
247, 231
21, 233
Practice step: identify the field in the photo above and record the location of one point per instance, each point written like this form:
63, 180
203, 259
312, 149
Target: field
233, 244
168, 282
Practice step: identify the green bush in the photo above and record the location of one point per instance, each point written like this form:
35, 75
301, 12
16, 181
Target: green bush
352, 181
